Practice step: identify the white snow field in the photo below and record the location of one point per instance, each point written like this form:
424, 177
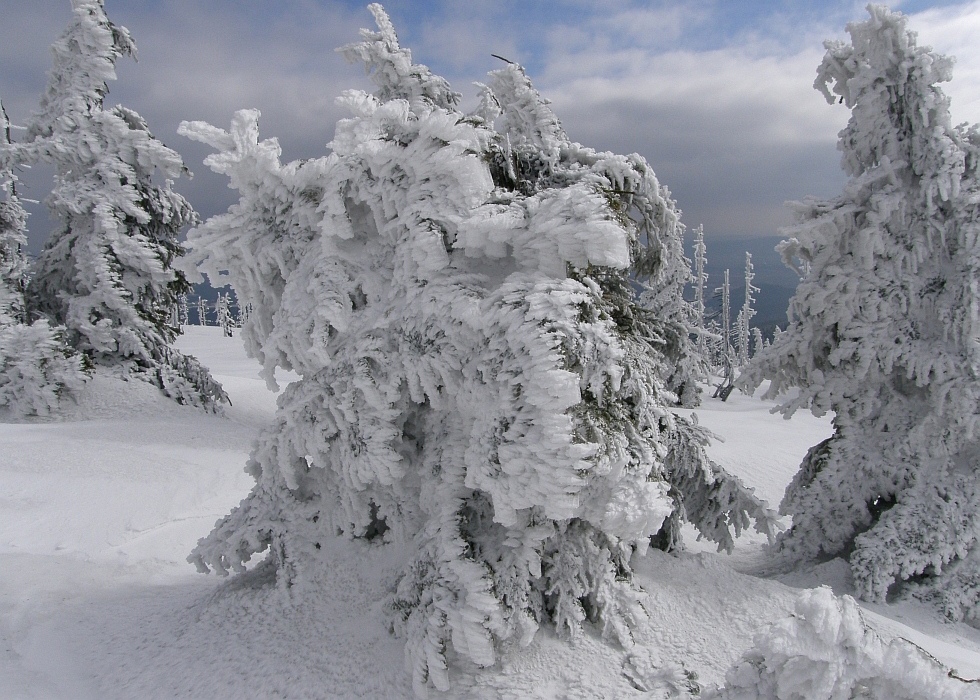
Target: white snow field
99, 510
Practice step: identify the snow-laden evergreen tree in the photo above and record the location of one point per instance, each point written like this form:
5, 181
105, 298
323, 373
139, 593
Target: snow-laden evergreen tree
481, 382
244, 311
106, 273
202, 312
757, 340
700, 281
724, 356
183, 313
37, 370
724, 292
222, 311
884, 330
743, 322
236, 312
13, 238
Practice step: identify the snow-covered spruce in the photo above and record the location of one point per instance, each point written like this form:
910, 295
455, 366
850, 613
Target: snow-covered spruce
222, 310
106, 274
487, 325
699, 280
37, 369
884, 330
743, 322
13, 238
827, 651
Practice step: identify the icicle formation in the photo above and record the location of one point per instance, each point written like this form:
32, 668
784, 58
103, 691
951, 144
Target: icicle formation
478, 377
106, 273
884, 330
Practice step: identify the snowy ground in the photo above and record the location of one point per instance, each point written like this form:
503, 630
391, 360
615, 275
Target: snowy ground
99, 511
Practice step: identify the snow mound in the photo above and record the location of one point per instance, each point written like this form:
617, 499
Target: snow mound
826, 651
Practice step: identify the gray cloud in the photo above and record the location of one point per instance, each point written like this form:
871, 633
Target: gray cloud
954, 31
726, 115
200, 61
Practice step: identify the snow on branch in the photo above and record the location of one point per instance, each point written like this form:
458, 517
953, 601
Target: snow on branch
489, 328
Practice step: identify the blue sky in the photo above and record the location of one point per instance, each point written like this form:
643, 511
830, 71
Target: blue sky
716, 95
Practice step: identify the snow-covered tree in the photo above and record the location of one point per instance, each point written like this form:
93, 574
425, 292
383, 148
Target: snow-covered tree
202, 312
244, 311
481, 382
13, 239
700, 281
724, 292
222, 311
183, 312
106, 273
743, 322
884, 330
236, 312
757, 340
723, 355
37, 370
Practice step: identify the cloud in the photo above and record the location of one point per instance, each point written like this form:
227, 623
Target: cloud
202, 61
954, 31
718, 96
733, 132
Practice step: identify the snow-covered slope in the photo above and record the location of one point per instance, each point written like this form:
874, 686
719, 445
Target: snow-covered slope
99, 511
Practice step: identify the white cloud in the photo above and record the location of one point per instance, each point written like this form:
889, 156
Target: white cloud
726, 114
955, 31
202, 61
733, 132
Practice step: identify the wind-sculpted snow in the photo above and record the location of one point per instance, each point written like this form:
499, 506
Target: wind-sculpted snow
827, 651
884, 330
490, 334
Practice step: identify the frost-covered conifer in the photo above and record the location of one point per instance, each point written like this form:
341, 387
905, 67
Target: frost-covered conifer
202, 312
700, 280
106, 273
480, 380
222, 311
884, 330
723, 356
236, 313
183, 313
37, 370
13, 239
743, 322
724, 293
757, 340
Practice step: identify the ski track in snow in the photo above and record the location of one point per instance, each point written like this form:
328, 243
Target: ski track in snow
98, 512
